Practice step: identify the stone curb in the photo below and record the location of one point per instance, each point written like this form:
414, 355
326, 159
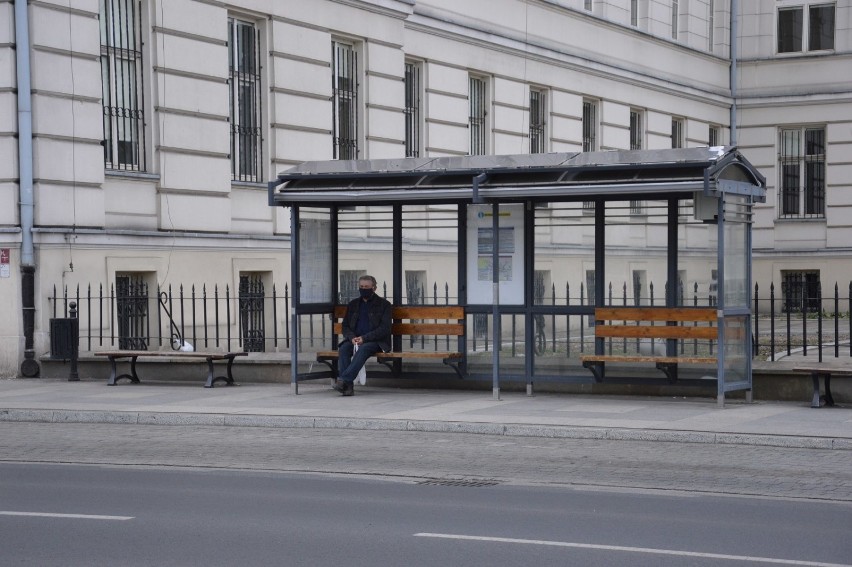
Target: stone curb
508, 430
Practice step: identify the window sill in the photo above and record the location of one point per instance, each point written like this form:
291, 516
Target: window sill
134, 175
801, 219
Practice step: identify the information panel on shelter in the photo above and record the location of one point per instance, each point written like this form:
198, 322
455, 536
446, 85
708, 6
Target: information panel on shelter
510, 252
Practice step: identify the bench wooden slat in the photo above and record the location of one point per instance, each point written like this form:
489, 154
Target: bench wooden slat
823, 370
642, 358
419, 329
166, 353
656, 314
428, 312
656, 332
419, 354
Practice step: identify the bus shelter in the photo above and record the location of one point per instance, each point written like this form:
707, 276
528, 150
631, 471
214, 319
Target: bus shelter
574, 232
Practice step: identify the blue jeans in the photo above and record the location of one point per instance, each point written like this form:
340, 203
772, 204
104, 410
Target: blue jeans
349, 365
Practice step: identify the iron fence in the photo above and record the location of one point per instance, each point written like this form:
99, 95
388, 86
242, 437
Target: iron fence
130, 316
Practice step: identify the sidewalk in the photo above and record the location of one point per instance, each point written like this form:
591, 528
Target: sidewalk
698, 420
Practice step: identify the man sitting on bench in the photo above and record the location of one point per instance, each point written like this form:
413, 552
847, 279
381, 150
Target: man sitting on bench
367, 325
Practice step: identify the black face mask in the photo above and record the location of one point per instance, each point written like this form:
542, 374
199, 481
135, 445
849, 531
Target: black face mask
366, 293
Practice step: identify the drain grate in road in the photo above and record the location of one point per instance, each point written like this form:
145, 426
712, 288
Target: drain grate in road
457, 482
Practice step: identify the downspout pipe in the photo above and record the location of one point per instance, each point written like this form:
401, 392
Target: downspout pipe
735, 20
29, 366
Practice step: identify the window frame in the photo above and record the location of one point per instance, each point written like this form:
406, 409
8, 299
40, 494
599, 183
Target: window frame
245, 92
590, 125
123, 92
413, 108
538, 120
346, 142
807, 199
678, 132
797, 37
478, 114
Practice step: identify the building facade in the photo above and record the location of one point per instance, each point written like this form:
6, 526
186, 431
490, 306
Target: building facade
155, 125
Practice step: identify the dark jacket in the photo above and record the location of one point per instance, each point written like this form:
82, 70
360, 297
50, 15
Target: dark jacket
380, 320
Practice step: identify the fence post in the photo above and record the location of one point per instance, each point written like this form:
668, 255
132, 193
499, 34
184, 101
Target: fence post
755, 342
772, 321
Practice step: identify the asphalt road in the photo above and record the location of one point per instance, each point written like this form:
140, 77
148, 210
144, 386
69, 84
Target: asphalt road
692, 467
86, 494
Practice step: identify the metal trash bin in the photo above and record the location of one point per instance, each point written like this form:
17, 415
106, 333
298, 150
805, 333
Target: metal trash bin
64, 338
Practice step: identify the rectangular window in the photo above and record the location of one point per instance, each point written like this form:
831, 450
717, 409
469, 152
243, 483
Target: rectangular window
122, 85
412, 109
245, 101
478, 114
538, 104
634, 12
344, 103
711, 23
590, 126
817, 33
821, 27
677, 132
636, 133
715, 136
675, 17
800, 290
587, 4
802, 173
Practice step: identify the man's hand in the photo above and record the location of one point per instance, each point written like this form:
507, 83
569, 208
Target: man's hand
357, 341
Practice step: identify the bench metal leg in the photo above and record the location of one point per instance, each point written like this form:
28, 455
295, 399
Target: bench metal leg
457, 365
597, 369
211, 379
114, 377
826, 378
669, 369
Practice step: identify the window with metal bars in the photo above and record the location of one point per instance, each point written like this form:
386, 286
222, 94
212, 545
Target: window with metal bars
636, 136
245, 101
636, 133
675, 18
477, 116
590, 125
412, 109
538, 104
677, 132
711, 24
344, 88
800, 290
802, 171
122, 85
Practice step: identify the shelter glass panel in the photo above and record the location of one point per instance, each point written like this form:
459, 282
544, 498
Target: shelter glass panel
736, 252
430, 254
365, 243
697, 260
480, 259
636, 254
511, 345
563, 282
315, 256
737, 348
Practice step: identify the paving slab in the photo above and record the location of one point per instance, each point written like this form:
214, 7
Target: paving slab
696, 420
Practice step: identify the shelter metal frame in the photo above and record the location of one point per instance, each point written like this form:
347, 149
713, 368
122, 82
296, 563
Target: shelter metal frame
720, 177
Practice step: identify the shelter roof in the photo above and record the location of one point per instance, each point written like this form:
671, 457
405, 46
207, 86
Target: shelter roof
612, 175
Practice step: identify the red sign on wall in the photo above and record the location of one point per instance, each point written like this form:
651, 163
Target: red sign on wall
4, 263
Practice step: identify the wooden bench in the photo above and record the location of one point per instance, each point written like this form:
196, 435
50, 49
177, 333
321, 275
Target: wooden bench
210, 357
650, 323
826, 372
407, 322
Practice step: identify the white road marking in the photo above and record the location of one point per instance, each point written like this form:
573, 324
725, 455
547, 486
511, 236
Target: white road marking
75, 516
636, 550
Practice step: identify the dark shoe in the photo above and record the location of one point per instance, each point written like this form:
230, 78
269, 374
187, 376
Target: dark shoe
349, 389
340, 386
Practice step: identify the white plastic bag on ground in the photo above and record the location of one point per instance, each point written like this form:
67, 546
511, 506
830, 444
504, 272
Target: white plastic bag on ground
362, 374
